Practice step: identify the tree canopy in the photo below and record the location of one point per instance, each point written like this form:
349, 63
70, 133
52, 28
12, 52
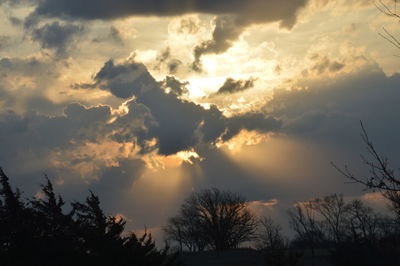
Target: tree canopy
212, 219
39, 232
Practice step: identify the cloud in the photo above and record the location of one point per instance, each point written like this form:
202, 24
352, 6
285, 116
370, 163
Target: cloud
328, 110
113, 35
15, 21
232, 17
4, 41
181, 124
227, 28
106, 9
175, 86
96, 147
101, 149
73, 150
322, 64
188, 25
79, 124
225, 33
86, 144
217, 169
46, 144
165, 58
232, 86
56, 36
25, 82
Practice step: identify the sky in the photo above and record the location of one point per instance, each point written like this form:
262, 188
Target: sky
144, 102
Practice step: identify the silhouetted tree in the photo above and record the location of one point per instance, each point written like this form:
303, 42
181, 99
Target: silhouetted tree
186, 232
39, 232
364, 225
273, 245
270, 235
353, 233
54, 234
211, 218
332, 211
373, 235
382, 176
308, 229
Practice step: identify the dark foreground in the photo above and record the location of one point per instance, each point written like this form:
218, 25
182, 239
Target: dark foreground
249, 257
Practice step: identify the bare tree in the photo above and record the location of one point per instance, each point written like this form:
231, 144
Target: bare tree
185, 230
364, 225
332, 210
390, 11
217, 219
270, 236
308, 229
382, 177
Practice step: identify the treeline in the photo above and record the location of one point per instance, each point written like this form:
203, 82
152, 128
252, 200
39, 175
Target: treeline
352, 233
40, 232
347, 233
344, 233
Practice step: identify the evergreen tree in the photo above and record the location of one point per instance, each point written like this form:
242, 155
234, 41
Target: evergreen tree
39, 232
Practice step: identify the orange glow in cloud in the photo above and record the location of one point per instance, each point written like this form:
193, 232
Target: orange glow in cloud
244, 138
155, 161
100, 154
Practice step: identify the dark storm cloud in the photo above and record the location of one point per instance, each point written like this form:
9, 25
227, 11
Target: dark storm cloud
229, 27
57, 144
232, 16
79, 124
56, 36
35, 144
125, 80
252, 10
180, 125
44, 144
232, 86
329, 112
225, 33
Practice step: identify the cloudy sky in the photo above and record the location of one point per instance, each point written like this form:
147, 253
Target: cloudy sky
144, 102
